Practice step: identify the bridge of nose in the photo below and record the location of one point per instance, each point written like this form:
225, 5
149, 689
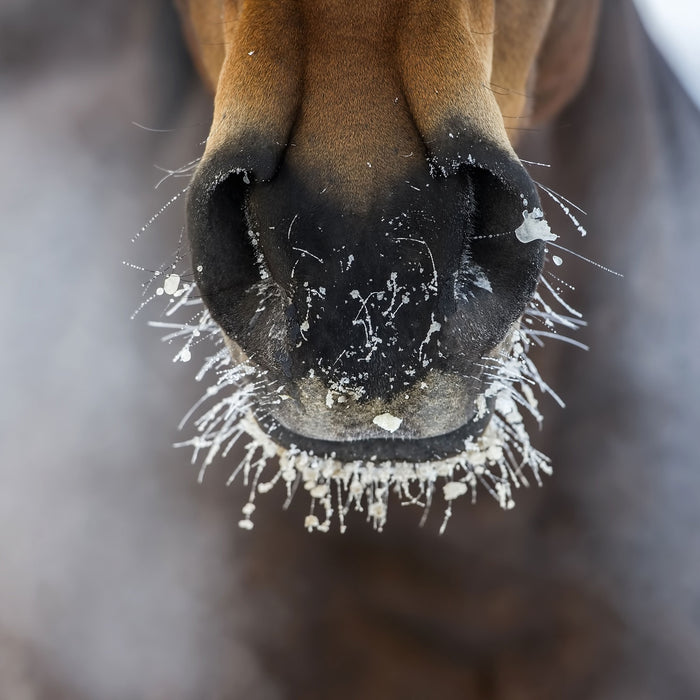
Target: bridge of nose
353, 135
354, 94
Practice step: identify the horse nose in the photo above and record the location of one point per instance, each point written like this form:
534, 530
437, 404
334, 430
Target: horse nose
363, 283
356, 217
427, 274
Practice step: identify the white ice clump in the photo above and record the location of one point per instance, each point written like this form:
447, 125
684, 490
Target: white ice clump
171, 283
387, 422
534, 227
454, 489
482, 281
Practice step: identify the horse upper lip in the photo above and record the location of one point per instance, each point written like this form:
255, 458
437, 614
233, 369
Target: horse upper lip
379, 449
432, 420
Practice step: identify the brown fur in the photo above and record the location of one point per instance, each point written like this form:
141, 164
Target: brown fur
361, 72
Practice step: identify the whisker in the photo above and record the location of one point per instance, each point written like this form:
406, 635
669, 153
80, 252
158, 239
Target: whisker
585, 259
184, 171
148, 128
558, 336
150, 222
534, 162
560, 201
504, 90
560, 197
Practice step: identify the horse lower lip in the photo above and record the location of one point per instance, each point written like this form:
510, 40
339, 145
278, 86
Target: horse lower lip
379, 449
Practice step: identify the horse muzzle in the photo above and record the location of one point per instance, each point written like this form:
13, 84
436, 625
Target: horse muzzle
374, 316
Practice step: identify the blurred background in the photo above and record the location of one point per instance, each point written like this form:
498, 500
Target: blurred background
113, 562
675, 26
110, 555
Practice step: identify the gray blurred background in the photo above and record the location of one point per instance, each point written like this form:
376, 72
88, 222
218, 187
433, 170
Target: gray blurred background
675, 26
113, 562
110, 554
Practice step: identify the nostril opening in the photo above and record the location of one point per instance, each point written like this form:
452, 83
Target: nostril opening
497, 274
224, 255
491, 246
229, 269
228, 266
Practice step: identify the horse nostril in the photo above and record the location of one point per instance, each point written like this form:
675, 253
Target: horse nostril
229, 269
225, 259
222, 255
510, 266
497, 273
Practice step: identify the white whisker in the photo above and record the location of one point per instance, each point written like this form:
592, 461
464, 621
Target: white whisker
585, 259
557, 336
155, 216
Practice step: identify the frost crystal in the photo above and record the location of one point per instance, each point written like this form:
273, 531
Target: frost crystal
172, 282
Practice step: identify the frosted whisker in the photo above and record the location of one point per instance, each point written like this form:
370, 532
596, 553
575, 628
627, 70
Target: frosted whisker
571, 310
534, 162
585, 259
563, 202
155, 216
560, 197
555, 318
558, 336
